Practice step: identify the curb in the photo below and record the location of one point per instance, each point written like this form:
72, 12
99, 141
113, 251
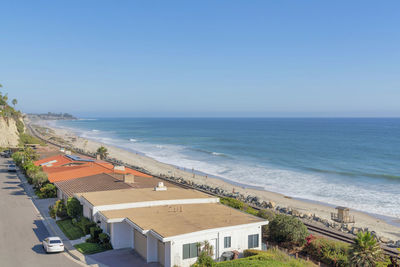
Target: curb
80, 260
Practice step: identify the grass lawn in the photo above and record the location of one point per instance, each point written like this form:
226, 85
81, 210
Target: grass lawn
70, 230
89, 248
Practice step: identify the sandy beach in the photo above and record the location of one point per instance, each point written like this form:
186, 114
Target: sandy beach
362, 220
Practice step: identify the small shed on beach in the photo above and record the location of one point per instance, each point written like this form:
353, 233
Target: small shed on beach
342, 215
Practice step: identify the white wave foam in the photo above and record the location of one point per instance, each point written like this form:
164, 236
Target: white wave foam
217, 154
133, 140
355, 194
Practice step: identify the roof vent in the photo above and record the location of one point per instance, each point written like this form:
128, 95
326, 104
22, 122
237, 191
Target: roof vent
119, 168
160, 187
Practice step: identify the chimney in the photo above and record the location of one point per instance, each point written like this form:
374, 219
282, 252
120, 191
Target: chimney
129, 178
68, 152
160, 187
98, 157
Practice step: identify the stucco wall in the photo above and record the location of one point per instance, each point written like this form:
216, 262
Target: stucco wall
141, 244
239, 242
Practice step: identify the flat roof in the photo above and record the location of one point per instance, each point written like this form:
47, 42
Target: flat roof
173, 220
141, 195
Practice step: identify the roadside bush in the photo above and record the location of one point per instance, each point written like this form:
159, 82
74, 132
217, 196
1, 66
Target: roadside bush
52, 212
17, 157
74, 221
48, 191
60, 209
287, 229
39, 179
74, 208
330, 252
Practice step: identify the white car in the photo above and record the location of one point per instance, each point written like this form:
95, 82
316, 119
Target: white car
12, 168
53, 244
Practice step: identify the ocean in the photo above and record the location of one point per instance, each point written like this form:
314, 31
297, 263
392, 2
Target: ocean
339, 161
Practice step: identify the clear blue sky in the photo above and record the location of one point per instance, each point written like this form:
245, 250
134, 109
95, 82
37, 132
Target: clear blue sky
202, 58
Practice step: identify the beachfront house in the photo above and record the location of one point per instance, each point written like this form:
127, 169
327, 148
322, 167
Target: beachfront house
165, 226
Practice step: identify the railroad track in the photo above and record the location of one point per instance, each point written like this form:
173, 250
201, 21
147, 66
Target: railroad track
321, 230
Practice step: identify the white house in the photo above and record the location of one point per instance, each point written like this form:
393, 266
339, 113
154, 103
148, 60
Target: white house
169, 234
166, 226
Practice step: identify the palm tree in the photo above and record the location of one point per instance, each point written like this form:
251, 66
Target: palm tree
365, 251
102, 152
14, 102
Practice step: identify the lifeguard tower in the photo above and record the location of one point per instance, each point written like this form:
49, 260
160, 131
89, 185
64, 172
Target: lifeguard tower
342, 215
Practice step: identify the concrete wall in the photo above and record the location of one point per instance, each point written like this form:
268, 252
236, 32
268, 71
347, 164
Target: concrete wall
239, 242
121, 235
141, 244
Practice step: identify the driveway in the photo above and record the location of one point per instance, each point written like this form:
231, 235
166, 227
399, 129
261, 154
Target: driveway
121, 258
21, 227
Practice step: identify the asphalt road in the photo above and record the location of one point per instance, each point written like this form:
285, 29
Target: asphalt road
21, 229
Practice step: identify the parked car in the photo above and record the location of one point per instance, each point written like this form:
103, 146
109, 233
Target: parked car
6, 154
53, 244
12, 168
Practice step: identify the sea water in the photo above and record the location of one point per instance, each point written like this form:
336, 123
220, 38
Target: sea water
340, 161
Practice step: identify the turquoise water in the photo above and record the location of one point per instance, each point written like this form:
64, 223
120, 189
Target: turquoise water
350, 162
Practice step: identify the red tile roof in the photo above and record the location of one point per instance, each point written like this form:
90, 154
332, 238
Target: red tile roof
61, 170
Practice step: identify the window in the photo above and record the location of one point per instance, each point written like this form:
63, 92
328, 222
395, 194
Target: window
253, 241
190, 251
227, 242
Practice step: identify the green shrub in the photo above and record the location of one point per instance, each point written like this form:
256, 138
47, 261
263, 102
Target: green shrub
48, 191
74, 221
20, 126
52, 212
333, 253
287, 229
74, 208
94, 233
252, 252
231, 202
60, 209
85, 224
39, 179
104, 238
29, 139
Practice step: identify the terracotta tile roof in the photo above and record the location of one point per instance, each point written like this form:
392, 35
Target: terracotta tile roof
61, 168
57, 160
93, 183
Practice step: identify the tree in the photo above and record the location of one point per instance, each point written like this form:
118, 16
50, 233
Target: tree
102, 152
14, 102
74, 208
287, 229
366, 251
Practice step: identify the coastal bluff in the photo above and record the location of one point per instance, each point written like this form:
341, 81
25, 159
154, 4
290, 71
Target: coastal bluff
9, 136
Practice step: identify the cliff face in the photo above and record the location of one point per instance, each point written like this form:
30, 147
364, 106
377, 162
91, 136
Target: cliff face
9, 136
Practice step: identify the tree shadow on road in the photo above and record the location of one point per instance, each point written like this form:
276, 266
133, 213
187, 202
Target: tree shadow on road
11, 182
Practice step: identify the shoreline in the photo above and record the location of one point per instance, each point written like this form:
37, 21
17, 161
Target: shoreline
388, 228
